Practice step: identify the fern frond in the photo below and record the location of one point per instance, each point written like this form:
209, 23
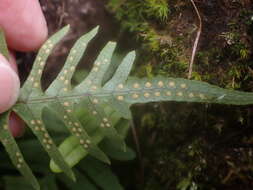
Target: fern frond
101, 101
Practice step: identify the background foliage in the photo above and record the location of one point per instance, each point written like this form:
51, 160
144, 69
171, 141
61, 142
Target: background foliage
193, 146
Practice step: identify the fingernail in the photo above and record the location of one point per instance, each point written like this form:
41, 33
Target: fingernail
9, 86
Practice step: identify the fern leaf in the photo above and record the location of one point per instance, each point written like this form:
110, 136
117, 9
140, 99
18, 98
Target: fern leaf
3, 45
105, 103
101, 174
15, 154
181, 90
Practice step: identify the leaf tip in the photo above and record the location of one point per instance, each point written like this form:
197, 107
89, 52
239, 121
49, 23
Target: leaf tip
54, 167
96, 29
108, 162
72, 176
66, 28
132, 54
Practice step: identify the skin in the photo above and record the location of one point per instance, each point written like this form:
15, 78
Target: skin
25, 28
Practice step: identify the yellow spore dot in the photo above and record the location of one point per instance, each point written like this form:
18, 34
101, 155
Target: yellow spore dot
20, 160
202, 96
78, 134
135, 96
95, 101
95, 69
35, 84
120, 98
66, 82
183, 85
94, 87
157, 93
18, 154
172, 84
160, 84
191, 95
37, 128
5, 127
66, 104
148, 85
136, 85
147, 95
120, 86
168, 93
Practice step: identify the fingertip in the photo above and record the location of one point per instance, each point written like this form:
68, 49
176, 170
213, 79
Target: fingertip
9, 85
12, 61
24, 24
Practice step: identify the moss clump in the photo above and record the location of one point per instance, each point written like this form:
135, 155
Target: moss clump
148, 21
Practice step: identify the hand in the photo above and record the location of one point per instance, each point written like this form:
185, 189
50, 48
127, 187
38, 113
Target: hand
25, 28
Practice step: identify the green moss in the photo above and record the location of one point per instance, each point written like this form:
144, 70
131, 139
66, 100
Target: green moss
148, 20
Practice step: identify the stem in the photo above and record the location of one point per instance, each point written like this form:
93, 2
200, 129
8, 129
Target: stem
196, 40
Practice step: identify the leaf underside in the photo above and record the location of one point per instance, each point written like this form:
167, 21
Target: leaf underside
119, 93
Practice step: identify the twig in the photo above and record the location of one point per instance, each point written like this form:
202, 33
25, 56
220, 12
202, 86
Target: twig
62, 15
137, 143
196, 40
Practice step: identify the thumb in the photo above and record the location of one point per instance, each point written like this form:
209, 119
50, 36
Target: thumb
9, 85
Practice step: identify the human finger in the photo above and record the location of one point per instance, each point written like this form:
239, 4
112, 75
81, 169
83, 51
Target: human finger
23, 23
9, 85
